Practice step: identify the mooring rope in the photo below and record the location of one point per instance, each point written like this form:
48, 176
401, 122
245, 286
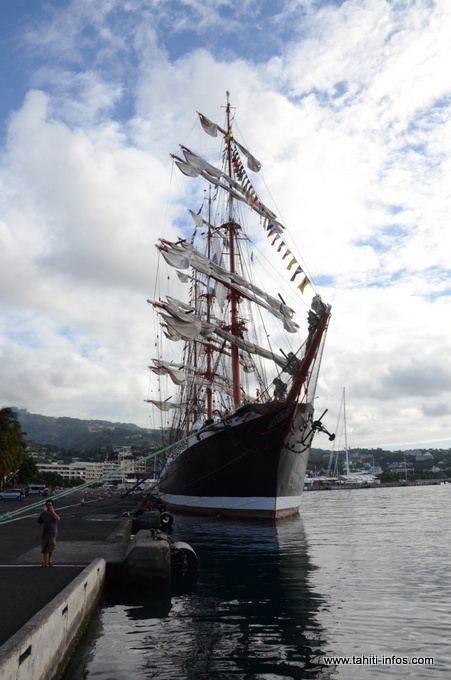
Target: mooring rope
80, 487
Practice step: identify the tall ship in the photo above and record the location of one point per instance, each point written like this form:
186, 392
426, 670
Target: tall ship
238, 401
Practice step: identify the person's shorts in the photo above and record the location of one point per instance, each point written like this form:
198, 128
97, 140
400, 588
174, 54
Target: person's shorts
48, 546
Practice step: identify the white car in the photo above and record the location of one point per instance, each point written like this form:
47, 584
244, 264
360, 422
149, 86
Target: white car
11, 493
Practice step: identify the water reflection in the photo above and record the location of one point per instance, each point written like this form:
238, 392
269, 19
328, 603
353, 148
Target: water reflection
140, 604
251, 614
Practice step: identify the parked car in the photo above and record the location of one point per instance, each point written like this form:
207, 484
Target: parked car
11, 493
38, 489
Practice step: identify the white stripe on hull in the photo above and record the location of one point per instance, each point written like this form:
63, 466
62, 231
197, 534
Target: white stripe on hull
231, 505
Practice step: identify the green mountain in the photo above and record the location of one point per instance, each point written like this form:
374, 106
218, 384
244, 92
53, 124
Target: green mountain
73, 433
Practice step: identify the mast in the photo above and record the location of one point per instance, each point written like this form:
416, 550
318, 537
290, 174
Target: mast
194, 350
232, 231
209, 296
345, 432
313, 347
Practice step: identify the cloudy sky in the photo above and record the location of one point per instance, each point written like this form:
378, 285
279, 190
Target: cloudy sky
347, 105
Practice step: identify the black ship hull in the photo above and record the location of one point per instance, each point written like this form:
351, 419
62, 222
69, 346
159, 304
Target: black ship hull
250, 465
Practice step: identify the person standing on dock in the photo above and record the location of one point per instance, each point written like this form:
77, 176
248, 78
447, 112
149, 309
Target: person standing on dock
48, 528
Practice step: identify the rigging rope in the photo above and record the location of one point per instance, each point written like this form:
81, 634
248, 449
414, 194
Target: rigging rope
76, 489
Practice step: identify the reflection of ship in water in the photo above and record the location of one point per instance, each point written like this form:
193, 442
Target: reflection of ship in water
251, 613
276, 612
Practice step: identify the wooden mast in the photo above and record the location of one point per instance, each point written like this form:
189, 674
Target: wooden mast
209, 296
232, 230
313, 346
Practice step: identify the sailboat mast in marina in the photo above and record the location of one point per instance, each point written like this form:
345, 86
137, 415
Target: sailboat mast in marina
341, 429
242, 422
345, 425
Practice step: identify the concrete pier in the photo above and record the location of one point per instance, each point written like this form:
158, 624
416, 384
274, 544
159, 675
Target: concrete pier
45, 609
148, 557
40, 648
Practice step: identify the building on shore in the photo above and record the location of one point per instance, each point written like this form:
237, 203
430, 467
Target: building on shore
122, 463
68, 471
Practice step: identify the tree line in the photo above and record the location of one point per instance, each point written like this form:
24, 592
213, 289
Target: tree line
12, 443
16, 466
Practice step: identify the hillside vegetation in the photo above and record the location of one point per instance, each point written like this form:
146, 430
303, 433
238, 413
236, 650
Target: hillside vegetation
74, 433
72, 437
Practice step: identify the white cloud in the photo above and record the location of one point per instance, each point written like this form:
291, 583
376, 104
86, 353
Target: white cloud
350, 118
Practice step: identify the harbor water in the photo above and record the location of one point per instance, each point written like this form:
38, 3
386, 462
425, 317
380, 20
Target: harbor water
362, 575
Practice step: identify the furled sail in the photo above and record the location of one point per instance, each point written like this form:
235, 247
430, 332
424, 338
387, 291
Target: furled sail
251, 347
209, 127
165, 405
181, 374
187, 169
252, 163
212, 130
195, 166
177, 375
202, 165
198, 219
189, 328
182, 255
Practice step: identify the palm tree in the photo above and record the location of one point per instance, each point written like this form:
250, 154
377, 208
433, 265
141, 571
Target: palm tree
28, 471
12, 443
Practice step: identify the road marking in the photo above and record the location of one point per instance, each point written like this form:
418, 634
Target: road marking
21, 566
36, 514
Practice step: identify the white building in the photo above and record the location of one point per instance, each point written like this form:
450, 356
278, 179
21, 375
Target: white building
67, 471
93, 471
117, 470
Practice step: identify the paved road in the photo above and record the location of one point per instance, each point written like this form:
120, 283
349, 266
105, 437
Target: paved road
25, 587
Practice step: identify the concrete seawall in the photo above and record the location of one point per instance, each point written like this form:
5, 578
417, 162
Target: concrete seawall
39, 650
45, 610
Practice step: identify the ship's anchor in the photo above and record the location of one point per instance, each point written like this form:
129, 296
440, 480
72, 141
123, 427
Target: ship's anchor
319, 427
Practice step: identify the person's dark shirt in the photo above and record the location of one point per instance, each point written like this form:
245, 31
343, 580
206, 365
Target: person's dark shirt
49, 525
